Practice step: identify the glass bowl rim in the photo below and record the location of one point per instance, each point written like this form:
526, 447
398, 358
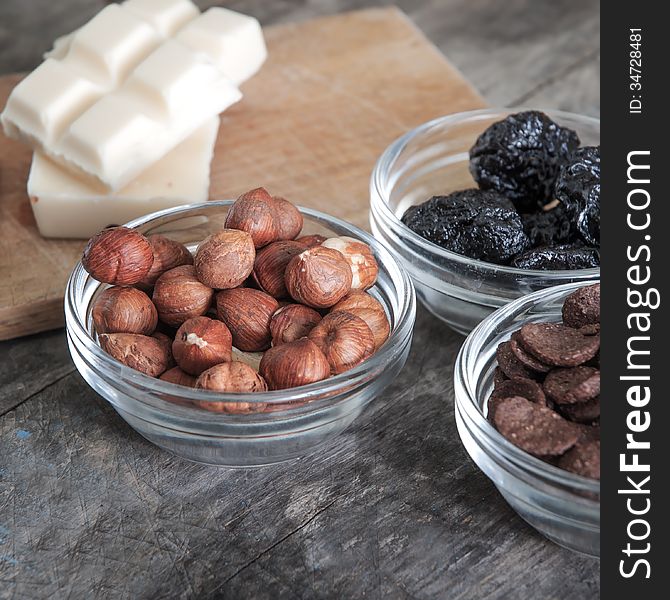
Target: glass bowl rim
332, 386
394, 149
468, 355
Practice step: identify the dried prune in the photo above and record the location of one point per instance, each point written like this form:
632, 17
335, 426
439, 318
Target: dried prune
545, 228
475, 223
520, 157
561, 257
578, 190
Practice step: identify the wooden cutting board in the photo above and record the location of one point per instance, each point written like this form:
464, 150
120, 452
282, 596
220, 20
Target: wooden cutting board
333, 94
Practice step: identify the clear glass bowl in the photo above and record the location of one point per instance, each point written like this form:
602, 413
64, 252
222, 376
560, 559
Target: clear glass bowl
289, 423
433, 160
561, 505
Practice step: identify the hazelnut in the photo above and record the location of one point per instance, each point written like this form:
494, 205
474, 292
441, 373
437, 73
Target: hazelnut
344, 339
166, 340
140, 352
254, 212
118, 255
231, 377
369, 309
311, 240
292, 322
288, 219
124, 310
201, 343
359, 255
294, 364
225, 259
247, 313
179, 295
179, 377
318, 277
168, 254
270, 265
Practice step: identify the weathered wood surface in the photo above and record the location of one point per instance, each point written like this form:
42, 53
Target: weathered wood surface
392, 509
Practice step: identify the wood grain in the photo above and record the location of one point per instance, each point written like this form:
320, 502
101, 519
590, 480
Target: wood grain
393, 508
332, 95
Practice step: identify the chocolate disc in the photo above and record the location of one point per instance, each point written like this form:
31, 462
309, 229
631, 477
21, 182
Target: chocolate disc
583, 459
569, 386
526, 359
536, 429
510, 365
582, 412
588, 433
582, 307
498, 376
558, 345
525, 388
593, 329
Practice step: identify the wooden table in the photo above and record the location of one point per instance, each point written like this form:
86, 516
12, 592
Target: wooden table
393, 508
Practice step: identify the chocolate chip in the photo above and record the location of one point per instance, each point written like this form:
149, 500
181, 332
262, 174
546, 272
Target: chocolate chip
582, 307
536, 429
558, 345
510, 365
526, 359
573, 385
583, 459
582, 412
525, 388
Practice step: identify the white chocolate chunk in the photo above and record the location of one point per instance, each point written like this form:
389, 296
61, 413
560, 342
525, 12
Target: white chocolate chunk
166, 16
164, 95
49, 99
84, 65
232, 40
110, 45
128, 130
66, 206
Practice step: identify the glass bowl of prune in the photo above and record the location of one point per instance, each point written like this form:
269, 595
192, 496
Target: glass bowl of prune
527, 406
489, 205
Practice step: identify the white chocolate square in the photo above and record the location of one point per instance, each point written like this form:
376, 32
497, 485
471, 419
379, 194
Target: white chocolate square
66, 206
166, 16
232, 40
49, 99
110, 45
170, 77
152, 93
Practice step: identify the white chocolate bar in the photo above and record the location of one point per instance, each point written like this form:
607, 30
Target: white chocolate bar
162, 90
234, 41
66, 206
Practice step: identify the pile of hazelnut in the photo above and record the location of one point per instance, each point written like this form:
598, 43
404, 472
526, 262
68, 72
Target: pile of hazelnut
253, 287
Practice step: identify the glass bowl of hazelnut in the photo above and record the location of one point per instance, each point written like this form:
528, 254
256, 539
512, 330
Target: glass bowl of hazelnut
236, 336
